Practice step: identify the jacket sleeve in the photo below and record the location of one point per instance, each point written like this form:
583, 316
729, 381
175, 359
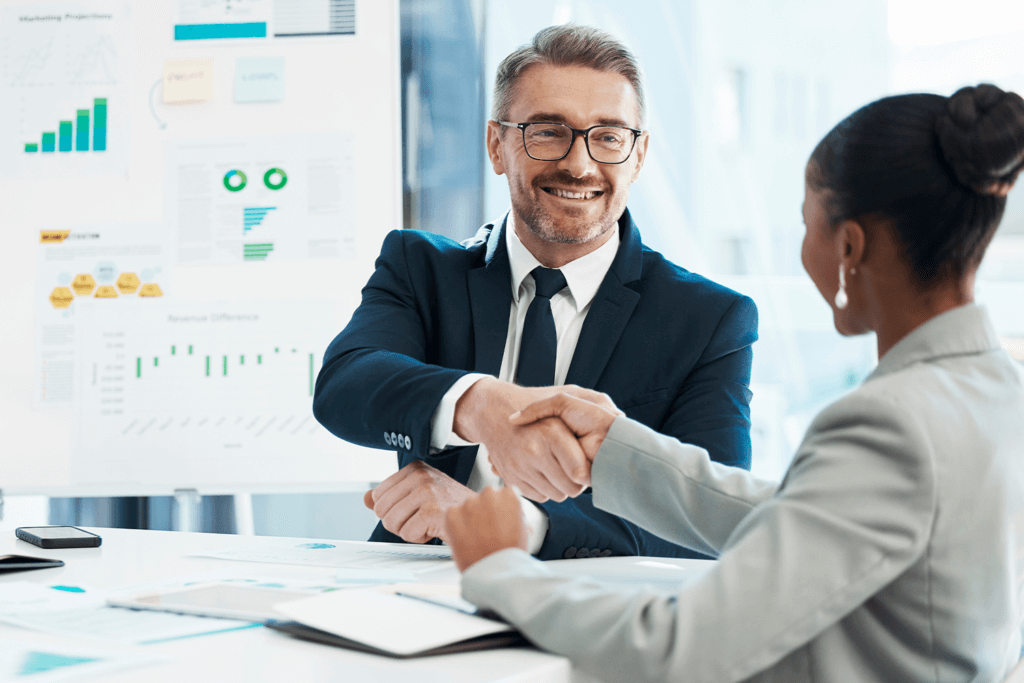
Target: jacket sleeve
853, 513
711, 410
375, 378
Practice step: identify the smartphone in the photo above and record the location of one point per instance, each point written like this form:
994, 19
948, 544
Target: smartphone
52, 537
17, 563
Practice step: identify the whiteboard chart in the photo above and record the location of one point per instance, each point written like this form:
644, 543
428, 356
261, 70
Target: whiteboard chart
174, 267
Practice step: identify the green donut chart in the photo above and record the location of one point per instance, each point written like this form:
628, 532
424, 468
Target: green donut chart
275, 179
231, 184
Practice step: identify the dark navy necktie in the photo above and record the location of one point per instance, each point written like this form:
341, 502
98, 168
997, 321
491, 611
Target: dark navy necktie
539, 345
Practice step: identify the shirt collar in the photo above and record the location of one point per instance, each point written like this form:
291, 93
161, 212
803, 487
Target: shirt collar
583, 276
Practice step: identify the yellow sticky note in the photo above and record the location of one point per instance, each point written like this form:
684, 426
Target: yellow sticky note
188, 80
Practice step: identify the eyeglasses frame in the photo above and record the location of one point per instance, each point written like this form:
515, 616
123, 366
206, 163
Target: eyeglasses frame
585, 133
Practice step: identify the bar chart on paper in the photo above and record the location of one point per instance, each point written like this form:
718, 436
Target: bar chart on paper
236, 378
62, 86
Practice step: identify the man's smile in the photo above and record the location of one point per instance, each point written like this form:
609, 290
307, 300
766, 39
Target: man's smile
573, 194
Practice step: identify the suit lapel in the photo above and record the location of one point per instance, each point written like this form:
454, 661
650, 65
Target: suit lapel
490, 297
611, 310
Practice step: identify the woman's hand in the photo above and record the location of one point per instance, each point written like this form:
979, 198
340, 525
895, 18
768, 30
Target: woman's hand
484, 524
589, 421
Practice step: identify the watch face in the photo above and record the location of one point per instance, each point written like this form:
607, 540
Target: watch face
57, 532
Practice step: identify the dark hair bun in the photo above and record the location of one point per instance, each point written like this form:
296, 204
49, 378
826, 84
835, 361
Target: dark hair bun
981, 135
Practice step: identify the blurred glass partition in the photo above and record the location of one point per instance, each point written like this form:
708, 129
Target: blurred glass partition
443, 117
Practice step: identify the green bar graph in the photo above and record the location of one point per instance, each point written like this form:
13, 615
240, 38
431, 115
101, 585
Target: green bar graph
82, 131
190, 349
99, 131
74, 135
259, 360
241, 360
156, 362
65, 136
138, 367
172, 350
207, 366
225, 366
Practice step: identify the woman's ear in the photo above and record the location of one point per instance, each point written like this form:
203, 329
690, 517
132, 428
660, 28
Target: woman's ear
851, 243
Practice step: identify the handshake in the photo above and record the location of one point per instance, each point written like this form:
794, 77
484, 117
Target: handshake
540, 440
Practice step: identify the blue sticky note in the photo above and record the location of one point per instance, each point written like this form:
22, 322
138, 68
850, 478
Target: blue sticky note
259, 79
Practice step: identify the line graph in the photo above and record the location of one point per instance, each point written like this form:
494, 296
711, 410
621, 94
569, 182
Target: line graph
93, 64
31, 66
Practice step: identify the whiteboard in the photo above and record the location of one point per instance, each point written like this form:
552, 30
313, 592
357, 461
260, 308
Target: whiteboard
192, 195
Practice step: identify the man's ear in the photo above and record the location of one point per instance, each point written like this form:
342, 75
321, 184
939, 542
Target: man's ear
494, 150
851, 243
641, 154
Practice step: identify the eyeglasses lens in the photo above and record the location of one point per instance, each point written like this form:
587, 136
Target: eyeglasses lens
550, 141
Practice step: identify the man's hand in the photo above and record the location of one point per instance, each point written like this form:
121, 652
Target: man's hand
542, 459
485, 524
411, 502
588, 421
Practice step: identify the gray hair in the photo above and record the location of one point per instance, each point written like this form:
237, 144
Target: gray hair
567, 45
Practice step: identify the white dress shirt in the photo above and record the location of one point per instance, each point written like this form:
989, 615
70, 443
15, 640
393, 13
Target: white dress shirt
569, 308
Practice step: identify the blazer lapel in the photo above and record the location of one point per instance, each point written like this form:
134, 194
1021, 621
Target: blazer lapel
490, 297
611, 310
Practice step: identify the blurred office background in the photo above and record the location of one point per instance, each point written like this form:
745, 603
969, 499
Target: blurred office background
740, 92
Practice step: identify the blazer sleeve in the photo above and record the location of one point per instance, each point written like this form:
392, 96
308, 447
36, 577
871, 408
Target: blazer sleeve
710, 410
375, 377
853, 513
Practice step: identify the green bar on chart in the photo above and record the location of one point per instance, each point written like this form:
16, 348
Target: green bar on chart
138, 367
49, 142
172, 350
31, 147
225, 366
259, 360
82, 131
190, 349
65, 136
156, 362
207, 366
99, 131
241, 360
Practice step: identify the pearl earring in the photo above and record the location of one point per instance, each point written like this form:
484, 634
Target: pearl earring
842, 300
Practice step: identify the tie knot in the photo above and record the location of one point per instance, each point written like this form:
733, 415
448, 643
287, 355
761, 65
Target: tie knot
550, 281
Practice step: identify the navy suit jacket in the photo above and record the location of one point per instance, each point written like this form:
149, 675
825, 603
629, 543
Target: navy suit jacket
671, 348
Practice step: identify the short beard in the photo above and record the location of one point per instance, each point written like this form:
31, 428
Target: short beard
541, 224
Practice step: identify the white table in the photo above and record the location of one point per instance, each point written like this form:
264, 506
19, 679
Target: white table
129, 557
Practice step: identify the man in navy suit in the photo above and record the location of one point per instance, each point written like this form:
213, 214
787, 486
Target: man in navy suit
450, 339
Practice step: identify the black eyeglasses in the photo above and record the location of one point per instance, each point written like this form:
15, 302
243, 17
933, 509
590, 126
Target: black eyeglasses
547, 141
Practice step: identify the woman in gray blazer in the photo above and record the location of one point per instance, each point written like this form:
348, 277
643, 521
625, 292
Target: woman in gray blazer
893, 548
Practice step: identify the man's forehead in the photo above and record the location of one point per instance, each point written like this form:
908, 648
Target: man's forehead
576, 95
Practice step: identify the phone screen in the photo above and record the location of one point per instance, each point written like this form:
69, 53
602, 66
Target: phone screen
57, 532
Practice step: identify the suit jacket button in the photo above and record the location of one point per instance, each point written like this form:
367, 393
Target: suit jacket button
594, 553
408, 443
394, 438
606, 553
582, 552
569, 553
387, 438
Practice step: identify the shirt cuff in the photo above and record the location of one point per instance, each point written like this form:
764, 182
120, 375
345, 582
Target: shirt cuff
442, 432
536, 525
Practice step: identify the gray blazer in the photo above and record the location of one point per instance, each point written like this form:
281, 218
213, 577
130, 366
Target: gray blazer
892, 550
